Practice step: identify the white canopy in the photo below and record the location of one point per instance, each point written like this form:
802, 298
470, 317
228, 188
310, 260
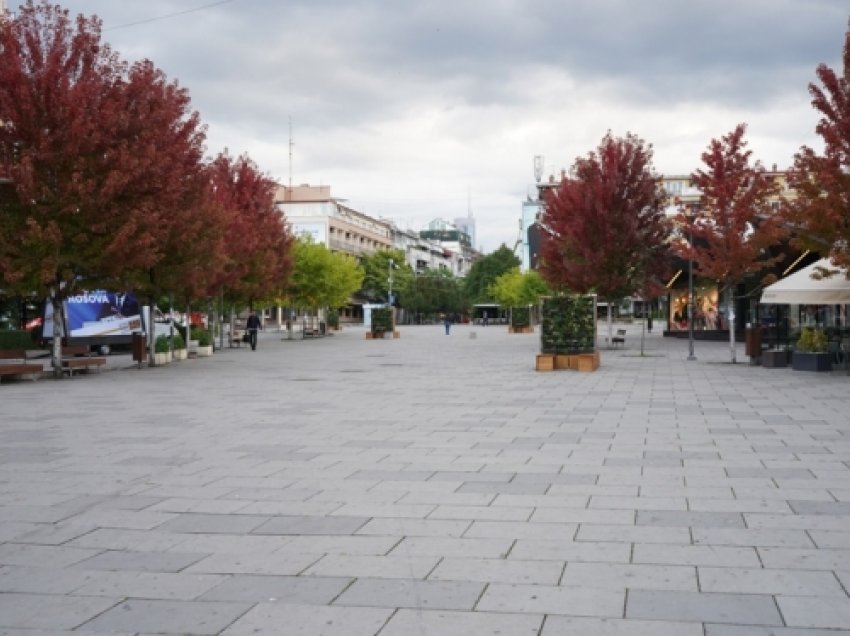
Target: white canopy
801, 289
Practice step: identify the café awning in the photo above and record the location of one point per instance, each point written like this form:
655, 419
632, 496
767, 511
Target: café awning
801, 289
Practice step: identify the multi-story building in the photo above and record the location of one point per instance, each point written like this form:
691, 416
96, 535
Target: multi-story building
312, 210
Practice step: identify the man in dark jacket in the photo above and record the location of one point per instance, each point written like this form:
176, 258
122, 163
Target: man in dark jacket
252, 325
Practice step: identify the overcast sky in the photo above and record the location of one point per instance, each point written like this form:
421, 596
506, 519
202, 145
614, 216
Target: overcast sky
410, 110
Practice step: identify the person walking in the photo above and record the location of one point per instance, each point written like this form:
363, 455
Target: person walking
253, 325
447, 320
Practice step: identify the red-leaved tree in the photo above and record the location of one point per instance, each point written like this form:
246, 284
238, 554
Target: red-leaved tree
820, 213
97, 152
604, 226
258, 246
728, 235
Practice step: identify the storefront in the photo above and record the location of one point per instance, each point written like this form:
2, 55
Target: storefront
709, 315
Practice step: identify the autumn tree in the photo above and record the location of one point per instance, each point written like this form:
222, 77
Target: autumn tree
258, 246
98, 152
604, 228
728, 235
820, 213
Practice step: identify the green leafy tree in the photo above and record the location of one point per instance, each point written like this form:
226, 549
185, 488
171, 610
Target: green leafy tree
377, 270
485, 271
517, 289
432, 292
321, 278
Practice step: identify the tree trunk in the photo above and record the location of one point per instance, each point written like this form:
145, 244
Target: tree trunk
58, 332
730, 314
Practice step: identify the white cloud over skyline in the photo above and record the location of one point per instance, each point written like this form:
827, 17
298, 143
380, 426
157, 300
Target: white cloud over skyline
406, 109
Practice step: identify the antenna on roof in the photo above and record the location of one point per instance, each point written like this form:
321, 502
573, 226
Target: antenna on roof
538, 168
290, 152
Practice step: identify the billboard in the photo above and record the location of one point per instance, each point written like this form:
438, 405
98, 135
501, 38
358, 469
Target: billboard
96, 314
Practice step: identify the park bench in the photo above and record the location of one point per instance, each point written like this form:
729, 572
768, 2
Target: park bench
620, 338
13, 362
79, 358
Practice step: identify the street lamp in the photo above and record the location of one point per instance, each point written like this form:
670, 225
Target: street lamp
390, 283
691, 355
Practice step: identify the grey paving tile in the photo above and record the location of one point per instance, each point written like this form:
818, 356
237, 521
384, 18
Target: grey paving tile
738, 609
45, 611
42, 555
689, 519
451, 623
769, 581
752, 630
141, 561
414, 527
410, 593
621, 576
208, 524
309, 620
810, 612
169, 616
498, 571
392, 567
695, 555
576, 626
301, 525
298, 590
540, 599
253, 563
148, 585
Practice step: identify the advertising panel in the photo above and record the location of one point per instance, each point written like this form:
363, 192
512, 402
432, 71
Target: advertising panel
97, 314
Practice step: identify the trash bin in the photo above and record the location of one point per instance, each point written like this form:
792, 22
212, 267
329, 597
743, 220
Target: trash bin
322, 328
139, 347
753, 342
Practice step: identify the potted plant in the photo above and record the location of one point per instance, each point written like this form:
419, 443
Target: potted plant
520, 320
162, 350
179, 347
382, 322
811, 351
204, 343
333, 320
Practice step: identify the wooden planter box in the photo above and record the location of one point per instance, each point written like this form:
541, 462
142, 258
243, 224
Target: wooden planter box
808, 361
526, 329
588, 362
775, 358
545, 362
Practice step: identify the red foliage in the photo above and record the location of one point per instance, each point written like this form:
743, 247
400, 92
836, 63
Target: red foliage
733, 226
604, 226
102, 156
820, 214
258, 245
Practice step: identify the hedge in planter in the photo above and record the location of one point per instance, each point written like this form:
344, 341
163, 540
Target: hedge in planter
569, 325
382, 320
520, 317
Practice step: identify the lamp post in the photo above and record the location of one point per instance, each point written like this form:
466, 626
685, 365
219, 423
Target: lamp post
691, 355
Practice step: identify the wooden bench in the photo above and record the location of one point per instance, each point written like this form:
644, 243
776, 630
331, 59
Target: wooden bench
13, 362
620, 338
79, 358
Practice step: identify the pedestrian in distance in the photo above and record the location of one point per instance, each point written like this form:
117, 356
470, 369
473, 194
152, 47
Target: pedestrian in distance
447, 320
253, 325
486, 318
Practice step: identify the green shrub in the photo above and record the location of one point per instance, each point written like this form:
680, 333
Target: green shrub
382, 320
520, 317
203, 336
569, 325
160, 345
179, 342
18, 339
333, 318
812, 340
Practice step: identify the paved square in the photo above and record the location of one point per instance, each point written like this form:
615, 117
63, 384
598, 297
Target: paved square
427, 485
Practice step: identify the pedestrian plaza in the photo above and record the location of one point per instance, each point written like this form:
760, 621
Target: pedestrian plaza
429, 485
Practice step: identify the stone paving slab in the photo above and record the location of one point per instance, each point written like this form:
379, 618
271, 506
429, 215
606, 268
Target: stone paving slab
427, 485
